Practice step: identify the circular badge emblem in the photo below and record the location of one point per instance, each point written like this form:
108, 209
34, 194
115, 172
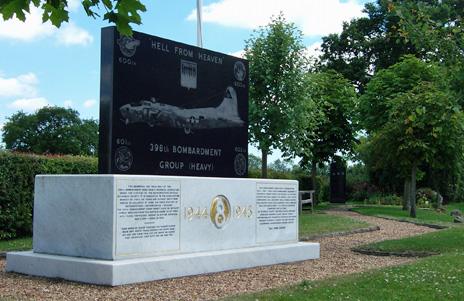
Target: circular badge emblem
123, 158
220, 211
128, 45
239, 71
240, 164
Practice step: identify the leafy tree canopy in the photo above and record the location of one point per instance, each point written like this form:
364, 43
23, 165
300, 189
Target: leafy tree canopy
254, 162
281, 165
332, 100
421, 123
120, 12
277, 64
335, 99
435, 27
387, 84
51, 130
366, 44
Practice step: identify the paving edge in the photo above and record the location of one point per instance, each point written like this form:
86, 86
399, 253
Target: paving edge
342, 233
433, 226
399, 254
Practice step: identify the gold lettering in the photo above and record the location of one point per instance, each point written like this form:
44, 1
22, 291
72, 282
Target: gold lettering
191, 213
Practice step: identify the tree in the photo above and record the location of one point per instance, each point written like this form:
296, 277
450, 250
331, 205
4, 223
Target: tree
277, 64
365, 45
254, 162
391, 82
435, 26
120, 12
87, 135
51, 130
422, 122
335, 100
281, 165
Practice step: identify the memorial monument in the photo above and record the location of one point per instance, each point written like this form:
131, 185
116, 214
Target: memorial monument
171, 198
168, 108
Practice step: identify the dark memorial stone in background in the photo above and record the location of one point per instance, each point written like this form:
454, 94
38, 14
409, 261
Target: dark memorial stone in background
168, 108
337, 183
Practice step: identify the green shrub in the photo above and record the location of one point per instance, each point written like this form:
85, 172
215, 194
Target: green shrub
389, 199
362, 191
17, 173
277, 174
271, 174
305, 181
322, 189
254, 173
428, 198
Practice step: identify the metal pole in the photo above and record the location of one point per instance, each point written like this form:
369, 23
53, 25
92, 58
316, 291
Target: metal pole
199, 36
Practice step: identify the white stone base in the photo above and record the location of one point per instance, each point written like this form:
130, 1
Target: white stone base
119, 272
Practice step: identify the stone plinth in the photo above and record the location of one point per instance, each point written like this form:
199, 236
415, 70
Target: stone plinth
118, 229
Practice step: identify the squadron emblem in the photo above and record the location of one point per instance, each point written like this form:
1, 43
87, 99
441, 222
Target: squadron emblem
128, 45
123, 158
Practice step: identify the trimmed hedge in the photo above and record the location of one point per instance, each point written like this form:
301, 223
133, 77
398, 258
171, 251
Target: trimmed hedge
17, 172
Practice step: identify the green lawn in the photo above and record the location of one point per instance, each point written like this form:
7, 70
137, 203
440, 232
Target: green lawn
318, 223
322, 206
423, 215
17, 244
443, 241
433, 278
450, 207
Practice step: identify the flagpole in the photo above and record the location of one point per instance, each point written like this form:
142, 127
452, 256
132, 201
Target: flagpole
199, 35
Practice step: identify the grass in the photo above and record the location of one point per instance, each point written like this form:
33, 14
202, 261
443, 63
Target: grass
322, 206
317, 224
434, 278
17, 244
449, 240
451, 206
423, 215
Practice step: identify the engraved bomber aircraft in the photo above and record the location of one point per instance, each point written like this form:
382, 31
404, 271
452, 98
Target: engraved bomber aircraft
155, 113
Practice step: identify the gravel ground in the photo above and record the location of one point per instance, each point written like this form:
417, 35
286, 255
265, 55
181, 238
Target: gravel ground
336, 259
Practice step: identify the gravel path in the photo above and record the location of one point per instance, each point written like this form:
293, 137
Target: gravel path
336, 259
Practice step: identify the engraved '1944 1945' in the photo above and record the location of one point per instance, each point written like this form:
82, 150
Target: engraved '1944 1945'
220, 212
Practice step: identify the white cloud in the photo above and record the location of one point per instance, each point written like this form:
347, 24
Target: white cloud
314, 17
33, 29
24, 85
73, 5
24, 89
68, 103
70, 34
314, 49
29, 104
89, 103
240, 53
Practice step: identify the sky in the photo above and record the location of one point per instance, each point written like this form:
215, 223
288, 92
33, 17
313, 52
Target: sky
41, 65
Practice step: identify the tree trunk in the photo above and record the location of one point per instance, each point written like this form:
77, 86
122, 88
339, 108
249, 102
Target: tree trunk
264, 163
313, 177
407, 194
412, 210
